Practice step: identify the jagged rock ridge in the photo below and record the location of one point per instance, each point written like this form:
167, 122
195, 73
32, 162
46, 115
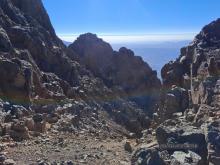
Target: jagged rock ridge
188, 117
120, 69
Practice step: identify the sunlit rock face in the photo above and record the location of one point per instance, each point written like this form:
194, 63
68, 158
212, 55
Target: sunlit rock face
203, 53
197, 68
195, 77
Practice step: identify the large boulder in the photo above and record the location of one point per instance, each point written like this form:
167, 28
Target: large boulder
213, 140
179, 135
175, 100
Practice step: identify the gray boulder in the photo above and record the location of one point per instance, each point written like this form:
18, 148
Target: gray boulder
180, 136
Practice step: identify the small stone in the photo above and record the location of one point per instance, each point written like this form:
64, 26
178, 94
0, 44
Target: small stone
2, 158
30, 124
132, 135
57, 150
41, 162
127, 146
38, 118
9, 162
97, 156
69, 163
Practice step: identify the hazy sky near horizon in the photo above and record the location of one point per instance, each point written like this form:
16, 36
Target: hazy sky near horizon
132, 20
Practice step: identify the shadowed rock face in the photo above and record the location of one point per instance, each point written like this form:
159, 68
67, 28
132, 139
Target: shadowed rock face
35, 9
210, 35
94, 53
27, 26
120, 69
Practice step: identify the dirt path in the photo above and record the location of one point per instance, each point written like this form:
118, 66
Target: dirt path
80, 149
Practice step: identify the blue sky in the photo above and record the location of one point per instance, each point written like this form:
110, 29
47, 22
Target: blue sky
132, 19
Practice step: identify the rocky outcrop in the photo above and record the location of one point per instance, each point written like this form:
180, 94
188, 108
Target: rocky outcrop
202, 54
175, 100
27, 34
179, 135
196, 70
209, 36
191, 86
94, 53
119, 70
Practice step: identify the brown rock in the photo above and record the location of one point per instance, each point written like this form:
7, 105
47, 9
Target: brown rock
30, 124
40, 127
19, 131
128, 147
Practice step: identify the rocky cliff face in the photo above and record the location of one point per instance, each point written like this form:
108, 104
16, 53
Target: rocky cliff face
120, 70
197, 68
189, 111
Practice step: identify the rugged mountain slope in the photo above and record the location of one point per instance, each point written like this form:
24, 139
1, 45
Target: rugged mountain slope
43, 83
202, 59
49, 90
190, 107
197, 68
122, 70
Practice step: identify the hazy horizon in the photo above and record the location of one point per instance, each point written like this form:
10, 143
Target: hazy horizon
135, 38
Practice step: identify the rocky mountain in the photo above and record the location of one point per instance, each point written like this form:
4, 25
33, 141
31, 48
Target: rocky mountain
89, 104
120, 70
188, 117
49, 91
